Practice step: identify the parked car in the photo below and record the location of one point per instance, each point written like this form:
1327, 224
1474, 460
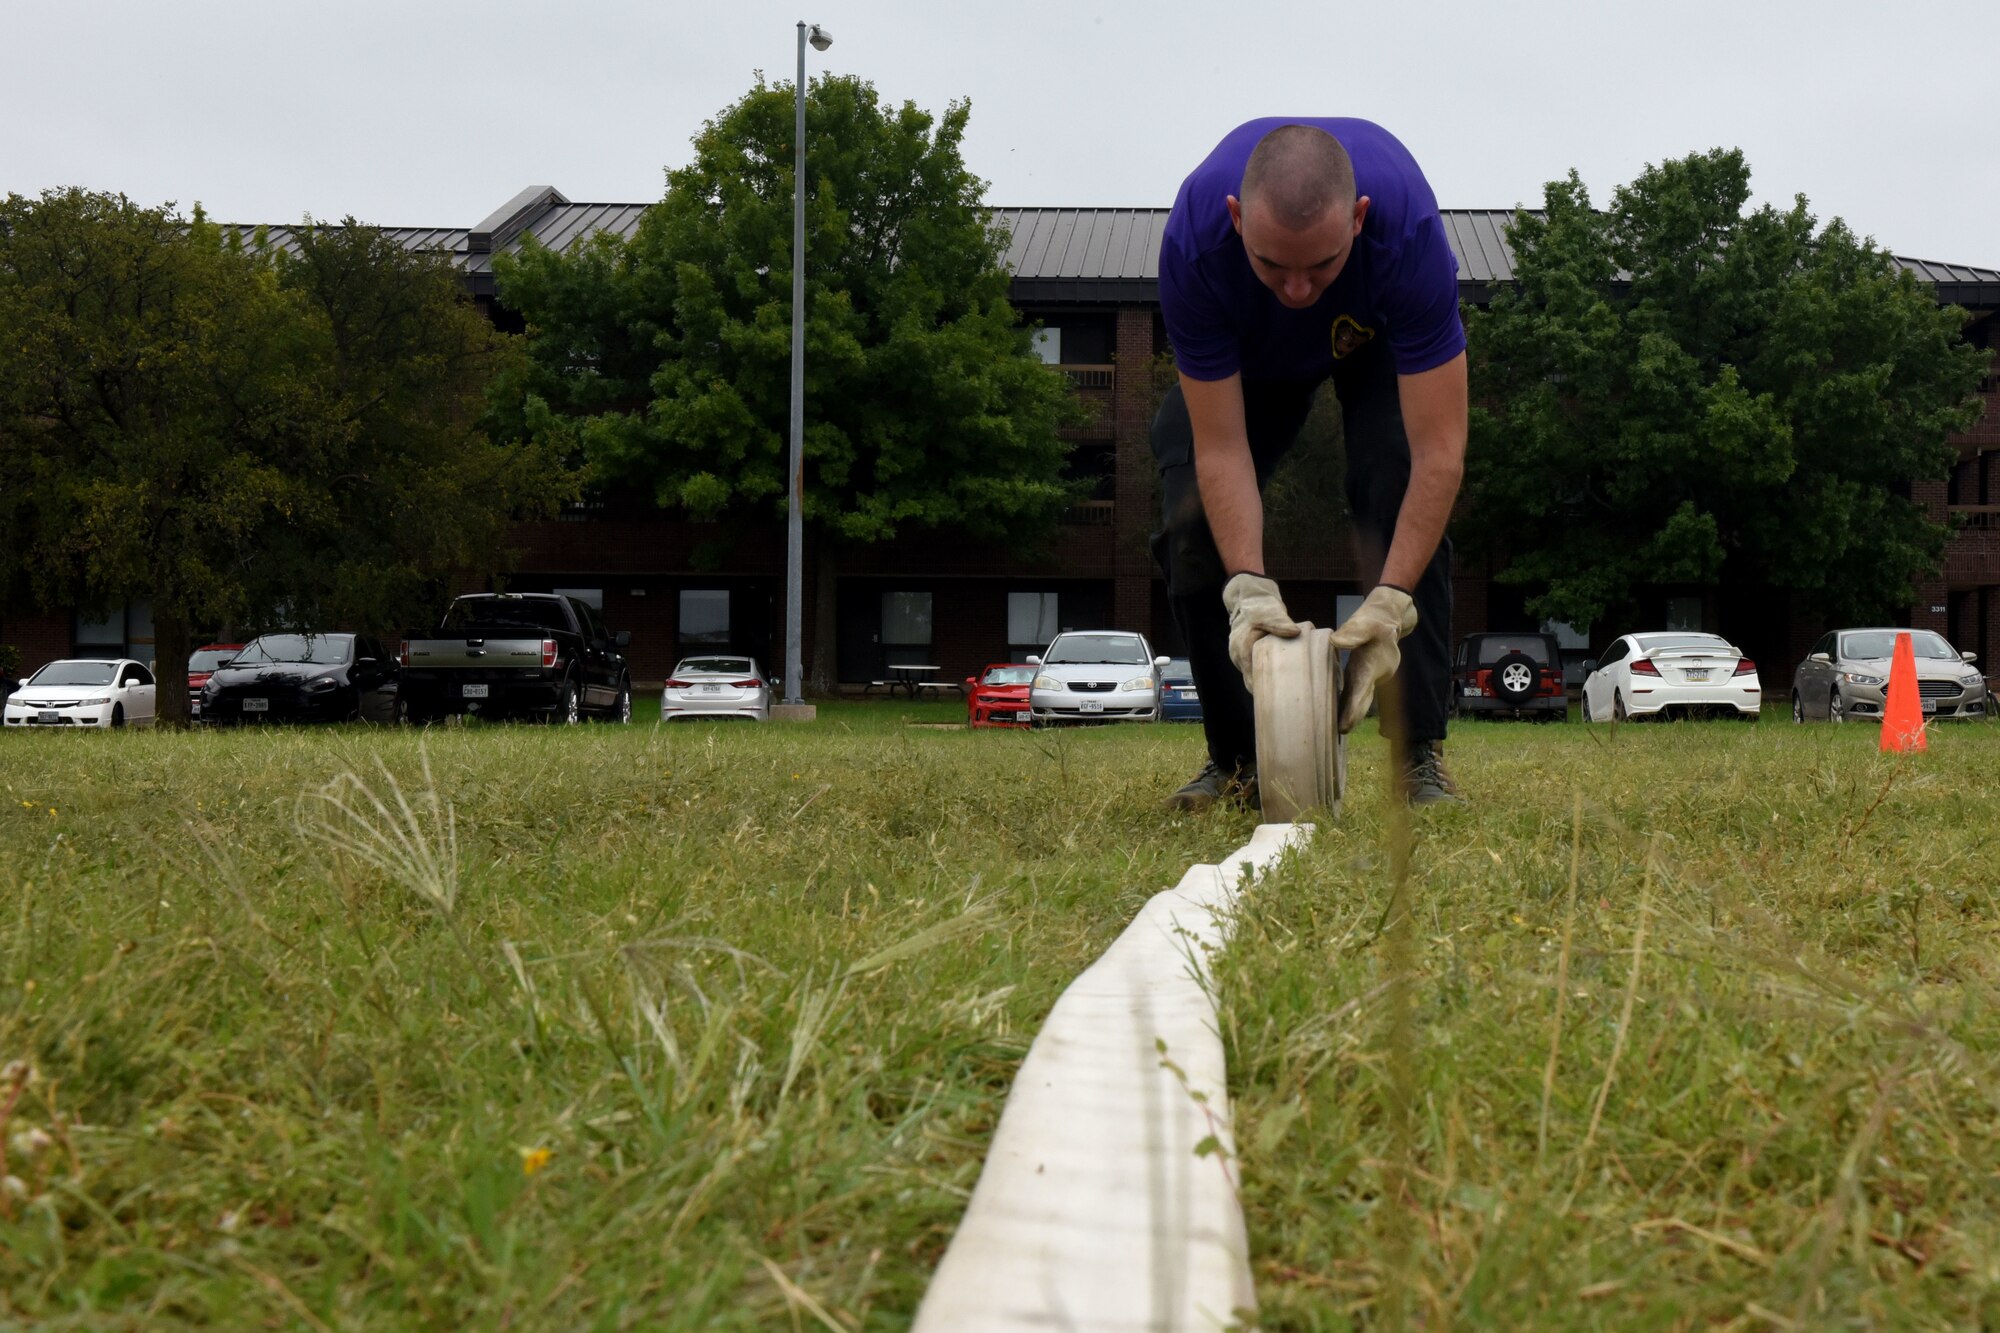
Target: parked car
202, 663
1096, 676
1846, 675
509, 654
85, 692
1652, 675
303, 678
998, 695
1180, 701
1509, 675
717, 687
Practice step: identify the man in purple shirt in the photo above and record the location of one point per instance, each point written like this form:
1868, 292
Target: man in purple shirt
1301, 251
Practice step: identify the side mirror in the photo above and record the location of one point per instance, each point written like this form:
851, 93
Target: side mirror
1968, 657
1161, 661
971, 684
1033, 660
622, 639
1821, 657
1589, 665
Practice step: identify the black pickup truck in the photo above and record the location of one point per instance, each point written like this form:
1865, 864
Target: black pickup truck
512, 654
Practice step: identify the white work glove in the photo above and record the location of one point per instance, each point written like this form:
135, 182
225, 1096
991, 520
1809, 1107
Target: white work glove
1384, 618
1255, 609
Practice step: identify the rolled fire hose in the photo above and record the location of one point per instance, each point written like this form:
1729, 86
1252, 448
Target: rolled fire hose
1301, 755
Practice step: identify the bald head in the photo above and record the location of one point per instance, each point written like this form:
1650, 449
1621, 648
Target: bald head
1296, 175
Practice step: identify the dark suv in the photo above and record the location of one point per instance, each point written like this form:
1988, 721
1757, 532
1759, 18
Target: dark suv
1511, 675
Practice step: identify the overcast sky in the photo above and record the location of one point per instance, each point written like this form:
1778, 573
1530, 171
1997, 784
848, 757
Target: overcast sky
427, 114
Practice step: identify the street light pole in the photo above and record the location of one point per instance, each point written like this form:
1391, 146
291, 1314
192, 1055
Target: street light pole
795, 518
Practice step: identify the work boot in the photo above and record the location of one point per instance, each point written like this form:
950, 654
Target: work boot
1424, 780
1212, 785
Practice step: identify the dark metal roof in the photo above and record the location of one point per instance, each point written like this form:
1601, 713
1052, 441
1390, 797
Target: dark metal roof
1056, 254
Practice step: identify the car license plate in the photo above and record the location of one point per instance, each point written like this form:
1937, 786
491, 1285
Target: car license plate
711, 689
1697, 673
49, 719
1093, 705
1930, 705
194, 708
256, 705
1190, 694
474, 691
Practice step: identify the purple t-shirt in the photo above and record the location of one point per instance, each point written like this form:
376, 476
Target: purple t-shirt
1400, 282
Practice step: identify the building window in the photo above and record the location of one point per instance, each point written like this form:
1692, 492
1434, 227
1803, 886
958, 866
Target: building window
1031, 622
590, 597
1684, 614
123, 631
1048, 346
906, 628
704, 617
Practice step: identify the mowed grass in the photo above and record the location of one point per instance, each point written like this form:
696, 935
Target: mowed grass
1698, 1029
707, 1026
756, 992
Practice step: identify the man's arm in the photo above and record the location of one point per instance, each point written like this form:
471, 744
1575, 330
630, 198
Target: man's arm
1434, 418
1225, 473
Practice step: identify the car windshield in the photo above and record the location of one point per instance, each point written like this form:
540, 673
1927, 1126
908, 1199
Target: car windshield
1010, 675
1121, 649
208, 659
1653, 643
1532, 646
714, 666
74, 673
1882, 643
524, 612
316, 649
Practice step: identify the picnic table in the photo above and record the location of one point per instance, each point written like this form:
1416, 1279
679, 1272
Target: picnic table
913, 676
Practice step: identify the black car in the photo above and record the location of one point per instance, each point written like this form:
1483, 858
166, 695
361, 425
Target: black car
1509, 675
303, 678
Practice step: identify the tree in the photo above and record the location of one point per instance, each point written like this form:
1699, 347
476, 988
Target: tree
1680, 391
244, 437
665, 361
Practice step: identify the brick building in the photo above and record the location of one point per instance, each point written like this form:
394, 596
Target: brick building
1090, 278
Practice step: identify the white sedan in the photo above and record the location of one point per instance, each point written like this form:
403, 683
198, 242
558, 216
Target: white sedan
1096, 676
717, 687
84, 692
1650, 675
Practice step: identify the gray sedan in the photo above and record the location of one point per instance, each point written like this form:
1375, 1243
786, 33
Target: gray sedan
1846, 677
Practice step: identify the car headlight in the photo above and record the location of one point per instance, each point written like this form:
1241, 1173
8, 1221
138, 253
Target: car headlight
1972, 678
1138, 683
320, 684
1856, 678
94, 701
1047, 683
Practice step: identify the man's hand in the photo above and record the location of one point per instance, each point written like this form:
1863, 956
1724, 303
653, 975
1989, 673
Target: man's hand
1255, 610
1371, 635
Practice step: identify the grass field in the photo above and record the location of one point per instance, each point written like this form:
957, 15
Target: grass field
509, 1027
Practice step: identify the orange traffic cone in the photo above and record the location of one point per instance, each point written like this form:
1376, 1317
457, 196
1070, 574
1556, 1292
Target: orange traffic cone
1903, 710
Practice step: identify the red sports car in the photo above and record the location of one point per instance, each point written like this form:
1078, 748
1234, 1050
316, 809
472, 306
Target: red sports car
202, 663
998, 696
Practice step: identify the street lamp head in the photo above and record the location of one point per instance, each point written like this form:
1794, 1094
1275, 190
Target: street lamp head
819, 37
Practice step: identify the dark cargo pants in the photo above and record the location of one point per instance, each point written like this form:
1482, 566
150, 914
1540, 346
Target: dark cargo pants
1378, 473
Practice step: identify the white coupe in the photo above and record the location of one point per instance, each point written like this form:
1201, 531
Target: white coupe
84, 692
1651, 675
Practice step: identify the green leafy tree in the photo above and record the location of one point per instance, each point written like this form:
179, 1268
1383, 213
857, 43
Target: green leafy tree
665, 360
245, 438
1678, 390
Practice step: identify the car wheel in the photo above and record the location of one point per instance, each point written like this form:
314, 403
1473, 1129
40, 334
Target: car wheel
1836, 707
1618, 713
568, 710
1798, 710
621, 712
118, 715
1514, 679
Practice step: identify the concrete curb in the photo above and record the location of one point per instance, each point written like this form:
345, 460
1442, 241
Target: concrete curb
1093, 1210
